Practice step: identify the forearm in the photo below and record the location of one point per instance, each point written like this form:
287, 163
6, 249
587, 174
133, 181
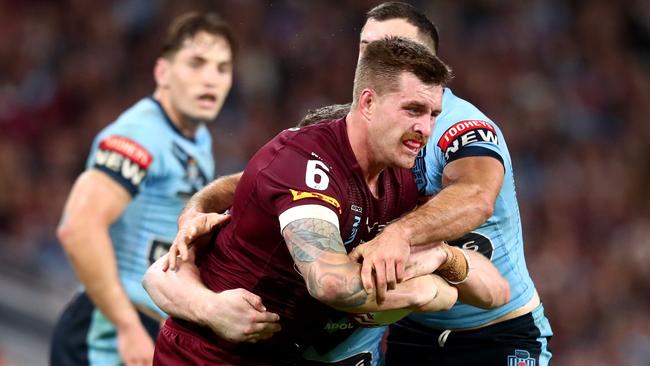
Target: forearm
179, 293
93, 259
216, 196
334, 279
456, 210
484, 287
445, 298
337, 283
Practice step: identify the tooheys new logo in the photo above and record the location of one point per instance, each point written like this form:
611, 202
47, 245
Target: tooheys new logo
125, 158
464, 133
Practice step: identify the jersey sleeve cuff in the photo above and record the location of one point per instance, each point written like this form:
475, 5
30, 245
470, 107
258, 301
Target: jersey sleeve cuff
117, 177
308, 212
470, 151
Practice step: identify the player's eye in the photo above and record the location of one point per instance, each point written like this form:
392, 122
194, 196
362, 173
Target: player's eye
224, 67
196, 62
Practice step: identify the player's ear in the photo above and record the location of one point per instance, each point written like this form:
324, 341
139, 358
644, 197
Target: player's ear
367, 102
161, 72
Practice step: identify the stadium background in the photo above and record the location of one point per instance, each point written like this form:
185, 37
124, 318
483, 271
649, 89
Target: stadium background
567, 81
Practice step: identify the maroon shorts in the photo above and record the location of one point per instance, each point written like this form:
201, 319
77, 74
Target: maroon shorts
184, 343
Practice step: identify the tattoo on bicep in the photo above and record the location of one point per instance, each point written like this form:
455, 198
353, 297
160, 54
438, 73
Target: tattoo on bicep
307, 239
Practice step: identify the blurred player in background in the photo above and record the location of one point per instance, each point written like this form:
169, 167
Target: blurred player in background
121, 213
467, 166
302, 195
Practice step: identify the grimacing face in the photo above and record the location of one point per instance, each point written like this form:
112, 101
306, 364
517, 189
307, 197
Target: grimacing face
401, 121
198, 78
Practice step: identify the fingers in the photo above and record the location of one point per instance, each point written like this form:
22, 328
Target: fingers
254, 300
366, 276
380, 276
171, 258
189, 231
165, 262
357, 253
391, 275
400, 271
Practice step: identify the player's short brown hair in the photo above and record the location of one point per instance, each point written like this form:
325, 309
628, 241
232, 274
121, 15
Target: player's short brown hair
188, 25
398, 10
383, 62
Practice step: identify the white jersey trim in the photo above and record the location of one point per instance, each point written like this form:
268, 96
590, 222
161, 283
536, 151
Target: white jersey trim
308, 212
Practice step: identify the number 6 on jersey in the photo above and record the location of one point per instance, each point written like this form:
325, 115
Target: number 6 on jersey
316, 168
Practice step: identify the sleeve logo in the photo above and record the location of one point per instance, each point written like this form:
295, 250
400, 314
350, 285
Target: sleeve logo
299, 195
464, 133
123, 159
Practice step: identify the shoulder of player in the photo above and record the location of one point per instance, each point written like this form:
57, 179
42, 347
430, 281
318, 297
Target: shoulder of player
456, 110
137, 134
316, 142
143, 123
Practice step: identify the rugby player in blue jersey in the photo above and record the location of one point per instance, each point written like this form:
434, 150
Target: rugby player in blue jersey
121, 213
467, 166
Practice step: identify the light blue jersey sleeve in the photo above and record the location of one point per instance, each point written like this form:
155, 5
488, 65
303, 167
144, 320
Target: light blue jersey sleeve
461, 131
129, 149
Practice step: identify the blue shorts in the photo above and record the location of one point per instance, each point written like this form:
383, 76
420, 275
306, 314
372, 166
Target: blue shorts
519, 341
83, 335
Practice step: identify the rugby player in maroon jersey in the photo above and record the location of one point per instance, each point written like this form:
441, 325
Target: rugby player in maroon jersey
309, 191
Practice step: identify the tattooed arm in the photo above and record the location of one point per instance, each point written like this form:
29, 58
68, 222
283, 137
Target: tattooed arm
334, 279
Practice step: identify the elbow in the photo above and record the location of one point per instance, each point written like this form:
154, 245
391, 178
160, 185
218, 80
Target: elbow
498, 296
483, 202
66, 232
149, 279
502, 295
325, 290
485, 206
331, 291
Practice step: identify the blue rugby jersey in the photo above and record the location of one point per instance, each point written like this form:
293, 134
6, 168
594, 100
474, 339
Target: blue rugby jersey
462, 130
161, 168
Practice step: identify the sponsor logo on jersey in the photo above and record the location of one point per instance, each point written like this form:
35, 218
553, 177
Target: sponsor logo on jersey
299, 195
464, 133
476, 242
158, 248
521, 358
124, 159
127, 148
344, 324
355, 230
194, 177
419, 170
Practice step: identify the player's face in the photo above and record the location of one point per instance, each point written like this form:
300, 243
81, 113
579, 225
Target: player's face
374, 30
402, 121
199, 77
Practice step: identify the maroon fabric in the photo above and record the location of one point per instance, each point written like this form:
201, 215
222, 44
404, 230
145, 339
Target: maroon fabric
250, 252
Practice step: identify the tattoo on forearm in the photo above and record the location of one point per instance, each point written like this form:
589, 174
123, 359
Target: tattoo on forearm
311, 243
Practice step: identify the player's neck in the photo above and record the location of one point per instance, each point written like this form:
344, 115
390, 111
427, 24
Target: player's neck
358, 136
186, 126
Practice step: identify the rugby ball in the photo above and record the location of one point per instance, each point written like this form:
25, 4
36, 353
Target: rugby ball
380, 318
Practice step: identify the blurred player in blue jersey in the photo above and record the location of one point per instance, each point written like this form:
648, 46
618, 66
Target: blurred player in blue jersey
467, 164
121, 213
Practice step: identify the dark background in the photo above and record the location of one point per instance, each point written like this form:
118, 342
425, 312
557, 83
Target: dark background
567, 81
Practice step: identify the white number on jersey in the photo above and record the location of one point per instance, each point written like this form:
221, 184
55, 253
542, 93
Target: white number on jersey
316, 176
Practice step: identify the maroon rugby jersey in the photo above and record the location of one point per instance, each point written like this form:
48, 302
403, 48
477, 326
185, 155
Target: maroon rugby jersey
287, 172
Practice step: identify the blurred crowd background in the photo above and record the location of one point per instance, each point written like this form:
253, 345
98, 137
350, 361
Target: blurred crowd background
567, 81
